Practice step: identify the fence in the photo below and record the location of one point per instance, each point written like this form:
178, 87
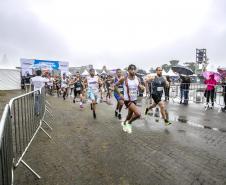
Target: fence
26, 115
196, 93
6, 149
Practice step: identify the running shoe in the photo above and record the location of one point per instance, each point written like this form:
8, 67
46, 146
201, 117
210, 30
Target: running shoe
124, 128
81, 107
119, 116
167, 122
91, 106
116, 113
129, 128
73, 101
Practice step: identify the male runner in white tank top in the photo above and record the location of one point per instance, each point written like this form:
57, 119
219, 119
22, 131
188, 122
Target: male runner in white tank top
93, 94
130, 87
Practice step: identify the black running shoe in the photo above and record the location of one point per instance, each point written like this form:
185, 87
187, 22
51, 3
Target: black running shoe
167, 122
119, 116
94, 115
116, 113
73, 101
146, 111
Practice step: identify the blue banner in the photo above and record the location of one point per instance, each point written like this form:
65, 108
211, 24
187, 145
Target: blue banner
46, 64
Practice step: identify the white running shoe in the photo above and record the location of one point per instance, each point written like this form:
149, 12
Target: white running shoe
129, 128
124, 128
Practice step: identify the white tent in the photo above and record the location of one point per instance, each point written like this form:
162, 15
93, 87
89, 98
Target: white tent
85, 73
164, 73
171, 73
10, 79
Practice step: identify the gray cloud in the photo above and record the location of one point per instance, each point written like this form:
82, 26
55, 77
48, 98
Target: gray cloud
23, 35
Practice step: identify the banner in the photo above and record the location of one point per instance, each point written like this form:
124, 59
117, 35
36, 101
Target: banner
26, 66
45, 64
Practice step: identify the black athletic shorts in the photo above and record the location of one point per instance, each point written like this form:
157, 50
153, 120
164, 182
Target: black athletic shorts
157, 98
128, 103
77, 92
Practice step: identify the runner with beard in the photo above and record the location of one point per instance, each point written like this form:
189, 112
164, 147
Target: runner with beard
130, 90
158, 84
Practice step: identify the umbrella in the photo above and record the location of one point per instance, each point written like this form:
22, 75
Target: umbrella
207, 74
182, 70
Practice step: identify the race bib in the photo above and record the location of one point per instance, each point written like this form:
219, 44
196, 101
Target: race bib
159, 88
120, 89
133, 94
78, 89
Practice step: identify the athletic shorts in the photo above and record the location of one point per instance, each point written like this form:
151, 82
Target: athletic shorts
77, 92
94, 96
117, 97
128, 103
156, 98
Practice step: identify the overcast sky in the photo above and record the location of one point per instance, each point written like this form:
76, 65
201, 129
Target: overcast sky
113, 33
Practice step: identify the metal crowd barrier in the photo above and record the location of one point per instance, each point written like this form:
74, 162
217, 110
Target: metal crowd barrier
187, 92
220, 96
6, 149
196, 93
27, 117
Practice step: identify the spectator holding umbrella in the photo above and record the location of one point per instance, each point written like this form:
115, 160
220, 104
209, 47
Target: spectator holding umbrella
184, 89
210, 89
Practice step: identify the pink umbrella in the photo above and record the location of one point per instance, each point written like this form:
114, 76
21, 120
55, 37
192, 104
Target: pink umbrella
207, 74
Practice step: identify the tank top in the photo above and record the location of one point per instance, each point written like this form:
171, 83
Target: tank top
158, 85
78, 85
93, 83
120, 87
133, 89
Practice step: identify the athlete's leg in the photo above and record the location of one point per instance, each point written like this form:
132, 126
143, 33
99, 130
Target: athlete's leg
136, 113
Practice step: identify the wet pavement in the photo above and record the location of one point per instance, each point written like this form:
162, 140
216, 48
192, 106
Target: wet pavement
87, 151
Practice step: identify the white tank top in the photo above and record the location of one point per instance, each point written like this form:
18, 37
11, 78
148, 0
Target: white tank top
93, 83
133, 89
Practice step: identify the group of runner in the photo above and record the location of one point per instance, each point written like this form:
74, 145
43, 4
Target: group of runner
125, 89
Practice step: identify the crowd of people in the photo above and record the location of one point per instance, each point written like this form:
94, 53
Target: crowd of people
125, 88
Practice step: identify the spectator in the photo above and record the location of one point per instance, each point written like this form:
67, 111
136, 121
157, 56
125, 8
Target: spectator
38, 83
224, 93
210, 89
167, 89
184, 89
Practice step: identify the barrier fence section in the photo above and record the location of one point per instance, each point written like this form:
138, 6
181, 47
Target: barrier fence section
6, 149
197, 93
27, 117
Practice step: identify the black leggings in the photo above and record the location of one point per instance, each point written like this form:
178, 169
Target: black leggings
210, 94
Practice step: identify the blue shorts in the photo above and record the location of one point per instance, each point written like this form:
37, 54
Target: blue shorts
117, 97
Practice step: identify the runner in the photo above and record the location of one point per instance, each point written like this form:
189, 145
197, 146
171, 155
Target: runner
158, 84
93, 82
64, 85
78, 89
120, 101
130, 90
109, 83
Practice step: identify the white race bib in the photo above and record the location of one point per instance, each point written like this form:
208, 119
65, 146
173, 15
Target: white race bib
159, 88
78, 89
